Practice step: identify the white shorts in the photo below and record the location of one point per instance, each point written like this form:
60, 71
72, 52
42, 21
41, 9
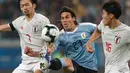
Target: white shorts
29, 68
115, 69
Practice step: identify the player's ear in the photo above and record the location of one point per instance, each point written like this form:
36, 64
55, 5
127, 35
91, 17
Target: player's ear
111, 16
34, 5
74, 18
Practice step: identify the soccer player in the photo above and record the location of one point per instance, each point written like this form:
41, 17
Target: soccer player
73, 40
29, 28
115, 37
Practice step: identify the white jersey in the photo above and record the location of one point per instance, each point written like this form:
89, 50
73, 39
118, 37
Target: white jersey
30, 34
116, 45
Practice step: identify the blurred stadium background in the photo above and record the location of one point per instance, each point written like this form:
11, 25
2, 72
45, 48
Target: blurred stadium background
86, 11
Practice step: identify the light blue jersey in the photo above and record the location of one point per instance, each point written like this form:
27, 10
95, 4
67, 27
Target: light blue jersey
74, 45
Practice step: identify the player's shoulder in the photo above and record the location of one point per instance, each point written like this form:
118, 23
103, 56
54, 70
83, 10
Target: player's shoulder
40, 16
125, 30
20, 18
126, 27
87, 24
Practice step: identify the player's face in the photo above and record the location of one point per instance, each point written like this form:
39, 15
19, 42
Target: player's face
27, 7
106, 18
67, 21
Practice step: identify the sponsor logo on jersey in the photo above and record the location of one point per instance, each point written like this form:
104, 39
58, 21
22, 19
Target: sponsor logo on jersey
35, 28
117, 39
83, 35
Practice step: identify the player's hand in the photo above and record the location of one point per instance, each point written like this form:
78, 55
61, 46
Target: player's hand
49, 51
51, 48
30, 52
68, 62
89, 47
26, 50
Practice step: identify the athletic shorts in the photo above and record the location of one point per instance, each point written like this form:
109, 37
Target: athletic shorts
80, 69
29, 68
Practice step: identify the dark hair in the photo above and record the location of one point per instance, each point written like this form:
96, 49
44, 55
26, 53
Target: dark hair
113, 7
32, 1
70, 10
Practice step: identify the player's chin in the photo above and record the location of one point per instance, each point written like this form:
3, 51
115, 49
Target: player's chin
26, 13
66, 29
105, 24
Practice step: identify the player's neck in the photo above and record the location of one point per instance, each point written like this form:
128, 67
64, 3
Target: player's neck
73, 28
114, 24
29, 16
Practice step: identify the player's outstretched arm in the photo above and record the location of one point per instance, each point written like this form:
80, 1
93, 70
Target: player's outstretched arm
51, 48
4, 27
28, 51
94, 36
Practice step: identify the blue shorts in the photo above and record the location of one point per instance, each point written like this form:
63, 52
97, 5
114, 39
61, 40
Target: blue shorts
80, 69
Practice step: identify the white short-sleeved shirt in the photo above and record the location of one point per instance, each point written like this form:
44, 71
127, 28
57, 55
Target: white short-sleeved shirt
116, 43
30, 34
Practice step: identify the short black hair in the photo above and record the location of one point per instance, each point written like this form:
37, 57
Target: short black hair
68, 9
33, 1
113, 7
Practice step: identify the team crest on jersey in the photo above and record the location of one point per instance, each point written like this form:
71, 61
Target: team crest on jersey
35, 28
83, 35
117, 39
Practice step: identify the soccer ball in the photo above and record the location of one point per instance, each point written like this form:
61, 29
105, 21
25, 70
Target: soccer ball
50, 33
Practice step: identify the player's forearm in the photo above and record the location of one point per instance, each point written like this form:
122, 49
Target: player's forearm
36, 54
51, 48
4, 27
95, 36
33, 54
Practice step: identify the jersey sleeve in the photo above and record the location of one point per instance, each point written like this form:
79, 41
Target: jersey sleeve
100, 26
47, 21
128, 35
43, 19
16, 22
11, 26
128, 40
